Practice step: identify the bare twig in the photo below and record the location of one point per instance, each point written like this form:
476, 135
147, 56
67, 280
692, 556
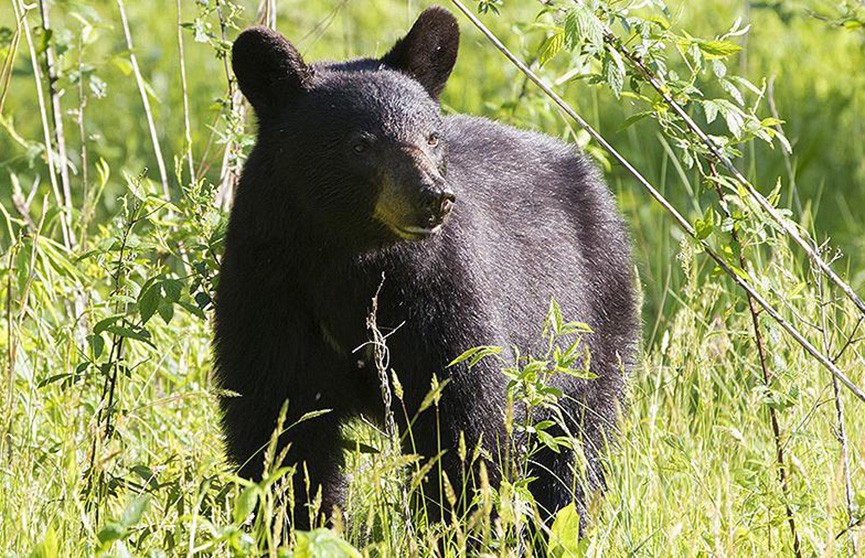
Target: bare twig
767, 380
43, 112
229, 173
139, 79
381, 360
742, 280
82, 138
57, 115
187, 129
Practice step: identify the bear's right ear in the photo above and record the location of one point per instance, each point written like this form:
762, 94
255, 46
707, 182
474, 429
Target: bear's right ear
429, 51
268, 68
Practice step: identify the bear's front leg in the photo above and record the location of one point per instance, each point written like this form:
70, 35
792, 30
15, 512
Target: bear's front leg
313, 448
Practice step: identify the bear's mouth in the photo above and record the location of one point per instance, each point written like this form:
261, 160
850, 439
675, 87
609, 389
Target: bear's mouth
413, 232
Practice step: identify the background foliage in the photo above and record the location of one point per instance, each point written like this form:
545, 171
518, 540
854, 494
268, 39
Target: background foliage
108, 431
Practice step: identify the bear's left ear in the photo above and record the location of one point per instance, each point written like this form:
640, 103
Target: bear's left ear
429, 51
268, 68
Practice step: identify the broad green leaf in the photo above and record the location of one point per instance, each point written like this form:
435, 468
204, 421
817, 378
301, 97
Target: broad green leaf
565, 533
323, 543
245, 503
582, 26
134, 510
614, 71
148, 301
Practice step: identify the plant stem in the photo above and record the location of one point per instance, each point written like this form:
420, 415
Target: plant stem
187, 129
839, 419
139, 79
57, 116
46, 133
767, 380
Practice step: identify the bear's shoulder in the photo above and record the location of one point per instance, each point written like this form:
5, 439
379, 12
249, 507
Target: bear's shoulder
485, 152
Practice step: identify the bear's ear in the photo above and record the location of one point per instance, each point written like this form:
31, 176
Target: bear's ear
268, 68
429, 51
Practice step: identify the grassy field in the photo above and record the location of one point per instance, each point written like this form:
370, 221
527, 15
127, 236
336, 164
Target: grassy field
109, 438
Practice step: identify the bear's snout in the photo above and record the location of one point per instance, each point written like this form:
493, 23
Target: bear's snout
438, 204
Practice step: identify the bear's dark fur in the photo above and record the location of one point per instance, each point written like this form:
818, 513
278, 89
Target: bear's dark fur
476, 226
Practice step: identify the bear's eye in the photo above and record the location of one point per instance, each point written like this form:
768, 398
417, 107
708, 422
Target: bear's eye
359, 147
433, 139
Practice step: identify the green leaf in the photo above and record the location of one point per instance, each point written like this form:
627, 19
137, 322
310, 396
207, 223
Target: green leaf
475, 354
718, 48
134, 510
614, 71
323, 543
48, 548
110, 533
172, 289
565, 532
138, 334
711, 109
148, 301
582, 26
552, 46
165, 310
102, 325
97, 345
245, 504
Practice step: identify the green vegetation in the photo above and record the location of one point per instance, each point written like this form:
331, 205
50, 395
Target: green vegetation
109, 439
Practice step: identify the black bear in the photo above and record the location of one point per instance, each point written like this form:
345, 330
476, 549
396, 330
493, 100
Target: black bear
475, 226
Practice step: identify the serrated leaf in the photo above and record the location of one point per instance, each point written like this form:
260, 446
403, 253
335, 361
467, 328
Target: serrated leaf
711, 109
172, 289
732, 91
614, 71
582, 26
553, 45
165, 311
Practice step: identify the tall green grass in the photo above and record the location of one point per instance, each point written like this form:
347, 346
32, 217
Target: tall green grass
693, 472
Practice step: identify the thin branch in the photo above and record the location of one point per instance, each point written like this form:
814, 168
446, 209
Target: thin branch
139, 79
742, 280
381, 358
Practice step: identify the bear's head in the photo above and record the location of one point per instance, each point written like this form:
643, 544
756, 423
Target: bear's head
356, 147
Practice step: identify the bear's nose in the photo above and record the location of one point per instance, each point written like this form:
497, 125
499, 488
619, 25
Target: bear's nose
438, 204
